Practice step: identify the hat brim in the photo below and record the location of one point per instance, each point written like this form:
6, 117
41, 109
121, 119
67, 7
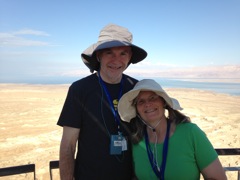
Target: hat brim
89, 55
127, 109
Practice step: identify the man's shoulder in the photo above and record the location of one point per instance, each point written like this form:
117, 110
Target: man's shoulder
130, 79
85, 81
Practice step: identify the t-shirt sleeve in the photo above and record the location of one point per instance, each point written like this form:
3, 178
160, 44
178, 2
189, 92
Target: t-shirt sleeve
72, 108
204, 151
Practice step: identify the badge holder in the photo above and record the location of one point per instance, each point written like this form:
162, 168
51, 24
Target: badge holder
116, 145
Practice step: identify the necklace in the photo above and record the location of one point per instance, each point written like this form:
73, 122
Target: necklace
153, 128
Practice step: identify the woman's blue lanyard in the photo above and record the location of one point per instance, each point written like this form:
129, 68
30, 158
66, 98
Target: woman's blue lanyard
110, 101
153, 161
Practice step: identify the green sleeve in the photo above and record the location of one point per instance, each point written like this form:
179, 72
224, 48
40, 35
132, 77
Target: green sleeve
205, 153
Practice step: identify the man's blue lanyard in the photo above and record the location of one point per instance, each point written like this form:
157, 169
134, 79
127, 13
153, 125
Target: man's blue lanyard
110, 101
153, 161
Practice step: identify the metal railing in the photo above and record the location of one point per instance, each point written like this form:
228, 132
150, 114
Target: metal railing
53, 165
14, 170
230, 152
30, 168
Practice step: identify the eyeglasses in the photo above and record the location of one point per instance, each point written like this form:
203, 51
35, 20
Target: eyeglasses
150, 99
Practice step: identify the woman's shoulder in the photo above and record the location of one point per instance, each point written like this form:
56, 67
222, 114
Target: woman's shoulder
190, 130
189, 126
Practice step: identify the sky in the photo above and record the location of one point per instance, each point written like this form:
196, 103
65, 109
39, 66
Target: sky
43, 40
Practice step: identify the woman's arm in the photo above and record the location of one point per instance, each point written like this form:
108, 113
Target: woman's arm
214, 171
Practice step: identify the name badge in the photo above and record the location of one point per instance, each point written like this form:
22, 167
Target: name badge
116, 144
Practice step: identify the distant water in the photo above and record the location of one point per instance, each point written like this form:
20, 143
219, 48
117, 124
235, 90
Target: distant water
218, 87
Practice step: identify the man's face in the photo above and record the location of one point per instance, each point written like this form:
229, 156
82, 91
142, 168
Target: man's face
114, 61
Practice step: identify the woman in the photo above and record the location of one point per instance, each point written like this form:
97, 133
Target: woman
166, 145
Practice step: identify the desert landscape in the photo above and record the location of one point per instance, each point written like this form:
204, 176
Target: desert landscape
29, 134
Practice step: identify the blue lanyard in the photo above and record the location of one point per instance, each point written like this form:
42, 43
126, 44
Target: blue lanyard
114, 111
153, 161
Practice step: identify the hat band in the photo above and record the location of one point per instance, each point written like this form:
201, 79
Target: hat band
118, 37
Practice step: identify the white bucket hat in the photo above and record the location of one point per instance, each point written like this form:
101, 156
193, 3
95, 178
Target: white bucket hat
127, 109
112, 36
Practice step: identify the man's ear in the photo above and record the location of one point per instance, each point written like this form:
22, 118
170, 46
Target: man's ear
98, 56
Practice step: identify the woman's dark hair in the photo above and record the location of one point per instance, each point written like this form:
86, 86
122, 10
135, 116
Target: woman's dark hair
137, 126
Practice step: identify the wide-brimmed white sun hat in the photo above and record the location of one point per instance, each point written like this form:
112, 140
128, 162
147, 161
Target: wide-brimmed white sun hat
112, 36
127, 109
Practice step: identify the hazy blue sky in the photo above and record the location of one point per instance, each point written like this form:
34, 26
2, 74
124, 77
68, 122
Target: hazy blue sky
44, 39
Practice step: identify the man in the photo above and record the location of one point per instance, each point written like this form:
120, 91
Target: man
89, 116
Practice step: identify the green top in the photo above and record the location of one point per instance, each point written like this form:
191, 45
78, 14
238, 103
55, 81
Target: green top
189, 152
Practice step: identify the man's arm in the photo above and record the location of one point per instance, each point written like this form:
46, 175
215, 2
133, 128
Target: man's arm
67, 152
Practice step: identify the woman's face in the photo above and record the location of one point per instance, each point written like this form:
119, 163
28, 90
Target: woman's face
150, 106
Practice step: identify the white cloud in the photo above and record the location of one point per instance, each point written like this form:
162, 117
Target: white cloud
30, 32
17, 39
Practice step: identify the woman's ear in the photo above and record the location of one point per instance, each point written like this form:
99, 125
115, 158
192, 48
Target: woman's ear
164, 103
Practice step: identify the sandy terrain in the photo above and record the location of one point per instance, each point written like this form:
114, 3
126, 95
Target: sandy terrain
29, 134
